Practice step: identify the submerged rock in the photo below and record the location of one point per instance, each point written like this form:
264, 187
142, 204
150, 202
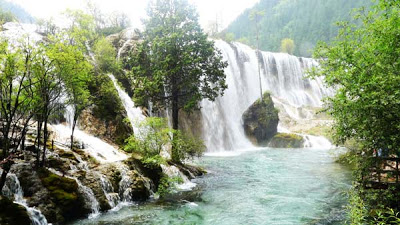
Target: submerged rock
284, 140
260, 121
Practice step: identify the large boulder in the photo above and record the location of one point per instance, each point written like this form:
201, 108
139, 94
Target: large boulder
260, 121
12, 213
284, 140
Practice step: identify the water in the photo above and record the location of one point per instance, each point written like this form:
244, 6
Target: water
281, 74
135, 114
267, 186
99, 149
13, 189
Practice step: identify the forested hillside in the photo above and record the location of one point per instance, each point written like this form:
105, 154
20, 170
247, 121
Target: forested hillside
20, 13
304, 21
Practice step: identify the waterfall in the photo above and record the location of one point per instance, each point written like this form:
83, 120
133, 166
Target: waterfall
112, 197
13, 189
135, 114
282, 75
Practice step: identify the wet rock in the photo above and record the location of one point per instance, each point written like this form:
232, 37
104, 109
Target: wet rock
92, 180
283, 140
12, 213
260, 121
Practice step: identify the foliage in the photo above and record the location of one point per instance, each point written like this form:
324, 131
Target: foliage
356, 208
18, 12
167, 184
362, 64
186, 147
82, 29
107, 24
304, 21
105, 56
157, 138
150, 142
287, 46
6, 16
229, 37
176, 66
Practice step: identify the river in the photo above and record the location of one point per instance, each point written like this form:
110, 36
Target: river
266, 186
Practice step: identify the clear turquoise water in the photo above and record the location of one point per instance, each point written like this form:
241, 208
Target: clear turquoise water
270, 186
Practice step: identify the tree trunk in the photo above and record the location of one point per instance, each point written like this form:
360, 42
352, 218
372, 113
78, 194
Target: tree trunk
73, 130
39, 131
6, 168
46, 137
175, 114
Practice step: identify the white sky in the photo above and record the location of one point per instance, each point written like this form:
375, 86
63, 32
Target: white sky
225, 10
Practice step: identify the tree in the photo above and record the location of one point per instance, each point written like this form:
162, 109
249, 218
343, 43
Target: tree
16, 99
176, 66
362, 64
287, 46
75, 72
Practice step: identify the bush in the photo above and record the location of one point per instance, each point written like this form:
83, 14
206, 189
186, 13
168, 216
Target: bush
167, 184
156, 137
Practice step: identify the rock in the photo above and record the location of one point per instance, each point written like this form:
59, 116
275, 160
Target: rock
92, 181
12, 213
283, 140
260, 121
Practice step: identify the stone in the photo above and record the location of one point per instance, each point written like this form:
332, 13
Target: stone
284, 140
260, 121
12, 213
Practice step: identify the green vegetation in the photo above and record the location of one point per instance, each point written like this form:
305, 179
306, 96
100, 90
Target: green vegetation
260, 120
304, 21
362, 65
64, 192
167, 184
14, 12
284, 140
176, 66
156, 138
287, 46
12, 213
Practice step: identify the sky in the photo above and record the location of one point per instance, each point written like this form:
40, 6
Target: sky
225, 11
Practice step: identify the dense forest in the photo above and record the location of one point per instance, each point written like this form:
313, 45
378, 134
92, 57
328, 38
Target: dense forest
304, 21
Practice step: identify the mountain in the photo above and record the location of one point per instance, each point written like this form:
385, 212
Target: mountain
20, 13
304, 21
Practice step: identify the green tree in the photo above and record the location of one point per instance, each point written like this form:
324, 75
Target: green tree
75, 72
362, 65
176, 66
16, 97
287, 46
105, 56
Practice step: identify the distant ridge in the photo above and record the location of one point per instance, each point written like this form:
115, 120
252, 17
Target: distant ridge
20, 13
304, 21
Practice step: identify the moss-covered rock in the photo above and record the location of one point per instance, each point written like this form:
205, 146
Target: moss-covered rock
12, 214
64, 193
106, 119
283, 140
260, 121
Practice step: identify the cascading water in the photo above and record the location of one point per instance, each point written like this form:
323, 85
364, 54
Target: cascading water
13, 189
281, 74
135, 114
112, 197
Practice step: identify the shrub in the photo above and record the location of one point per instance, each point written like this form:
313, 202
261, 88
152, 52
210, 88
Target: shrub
156, 136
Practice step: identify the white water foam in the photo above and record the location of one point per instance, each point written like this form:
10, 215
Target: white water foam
13, 189
283, 75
